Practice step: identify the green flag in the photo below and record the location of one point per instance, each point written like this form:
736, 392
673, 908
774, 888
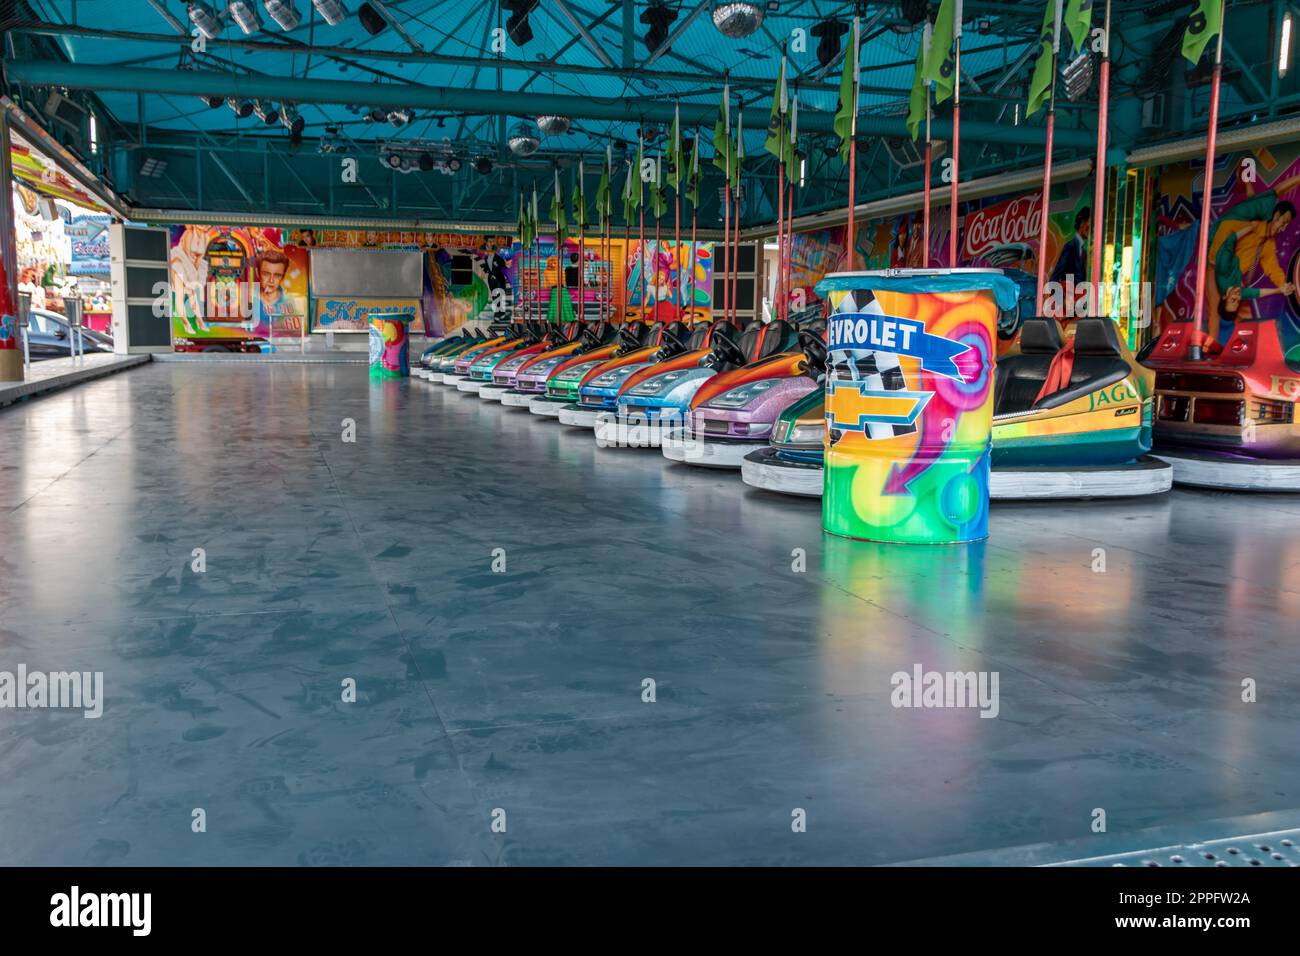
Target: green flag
778, 133
722, 154
534, 220
558, 215
734, 179
792, 171
1044, 78
1078, 20
658, 192
579, 199
846, 112
638, 195
693, 178
629, 208
919, 99
604, 209
1202, 25
675, 163
940, 65
521, 224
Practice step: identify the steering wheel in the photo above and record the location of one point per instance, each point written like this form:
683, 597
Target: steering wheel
590, 336
629, 335
727, 352
814, 349
670, 343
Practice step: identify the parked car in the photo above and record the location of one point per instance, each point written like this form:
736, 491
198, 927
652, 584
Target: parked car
50, 336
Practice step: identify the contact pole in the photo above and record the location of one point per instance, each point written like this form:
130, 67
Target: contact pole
1195, 352
1099, 188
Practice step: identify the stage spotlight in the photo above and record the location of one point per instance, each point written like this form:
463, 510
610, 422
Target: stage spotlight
483, 165
371, 20
453, 164
392, 160
283, 13
205, 19
517, 26
332, 11
658, 17
241, 108
213, 102
266, 112
399, 118
829, 32
426, 162
291, 119
915, 12
245, 16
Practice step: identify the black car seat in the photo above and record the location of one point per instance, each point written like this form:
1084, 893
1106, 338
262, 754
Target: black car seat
1098, 361
776, 337
634, 335
1020, 378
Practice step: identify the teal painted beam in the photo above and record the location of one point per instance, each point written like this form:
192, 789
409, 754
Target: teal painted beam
513, 103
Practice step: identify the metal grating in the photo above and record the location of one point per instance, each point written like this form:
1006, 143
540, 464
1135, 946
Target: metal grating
1260, 849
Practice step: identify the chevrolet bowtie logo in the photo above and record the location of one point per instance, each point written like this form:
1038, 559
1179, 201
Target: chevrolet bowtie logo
851, 406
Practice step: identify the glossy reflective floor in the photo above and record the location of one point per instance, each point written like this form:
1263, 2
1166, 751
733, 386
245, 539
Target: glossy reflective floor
517, 696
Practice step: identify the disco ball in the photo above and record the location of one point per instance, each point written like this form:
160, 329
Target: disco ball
737, 20
553, 125
523, 141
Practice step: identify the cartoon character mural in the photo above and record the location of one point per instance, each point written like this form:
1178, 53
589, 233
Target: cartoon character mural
236, 282
673, 278
1251, 269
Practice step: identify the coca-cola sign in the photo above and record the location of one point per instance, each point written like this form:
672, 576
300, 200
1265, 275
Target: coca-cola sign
1016, 220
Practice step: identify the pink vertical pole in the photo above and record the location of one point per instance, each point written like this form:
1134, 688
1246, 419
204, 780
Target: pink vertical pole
1044, 203
1099, 189
1195, 352
956, 143
925, 215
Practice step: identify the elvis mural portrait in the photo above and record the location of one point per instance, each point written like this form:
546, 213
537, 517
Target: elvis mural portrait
235, 282
1253, 263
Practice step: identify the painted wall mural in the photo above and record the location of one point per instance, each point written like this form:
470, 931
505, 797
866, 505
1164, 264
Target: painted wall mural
236, 282
249, 282
672, 278
1253, 268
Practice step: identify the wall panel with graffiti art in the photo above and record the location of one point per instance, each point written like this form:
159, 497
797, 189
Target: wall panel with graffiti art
253, 283
1253, 268
1003, 232
236, 282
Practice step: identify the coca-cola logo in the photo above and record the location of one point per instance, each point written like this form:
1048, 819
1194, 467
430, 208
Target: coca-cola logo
1017, 220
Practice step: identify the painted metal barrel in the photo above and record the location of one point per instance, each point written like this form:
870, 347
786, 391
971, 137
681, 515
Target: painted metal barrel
909, 402
390, 344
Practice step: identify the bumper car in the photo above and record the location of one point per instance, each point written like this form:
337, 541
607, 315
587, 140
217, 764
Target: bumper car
527, 381
455, 367
479, 370
482, 373
1088, 436
1228, 420
448, 346
732, 413
560, 385
654, 401
598, 390
443, 364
